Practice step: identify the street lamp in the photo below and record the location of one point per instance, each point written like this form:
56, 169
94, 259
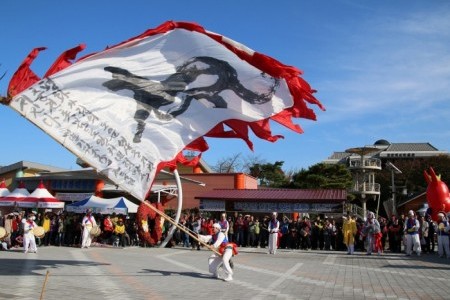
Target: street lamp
394, 170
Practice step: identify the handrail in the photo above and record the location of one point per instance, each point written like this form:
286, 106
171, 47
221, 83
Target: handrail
366, 163
366, 187
354, 209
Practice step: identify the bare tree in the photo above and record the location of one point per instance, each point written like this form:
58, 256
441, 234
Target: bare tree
229, 164
250, 161
236, 163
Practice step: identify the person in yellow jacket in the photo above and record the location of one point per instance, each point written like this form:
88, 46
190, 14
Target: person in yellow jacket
349, 231
119, 232
46, 225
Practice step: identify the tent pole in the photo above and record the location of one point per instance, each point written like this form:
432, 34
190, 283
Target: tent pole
180, 205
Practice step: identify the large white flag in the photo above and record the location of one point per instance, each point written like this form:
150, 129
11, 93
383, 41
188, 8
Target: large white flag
133, 108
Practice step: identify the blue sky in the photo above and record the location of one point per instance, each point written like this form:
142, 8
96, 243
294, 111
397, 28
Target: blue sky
381, 68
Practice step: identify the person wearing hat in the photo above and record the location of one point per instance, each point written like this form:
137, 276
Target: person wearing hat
442, 235
412, 227
29, 241
372, 231
87, 223
224, 224
225, 248
274, 227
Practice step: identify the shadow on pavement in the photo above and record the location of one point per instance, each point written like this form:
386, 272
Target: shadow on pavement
172, 273
17, 267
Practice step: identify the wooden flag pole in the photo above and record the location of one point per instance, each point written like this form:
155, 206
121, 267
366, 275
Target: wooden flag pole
181, 227
43, 286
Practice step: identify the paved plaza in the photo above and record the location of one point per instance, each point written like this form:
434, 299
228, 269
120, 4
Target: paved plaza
181, 273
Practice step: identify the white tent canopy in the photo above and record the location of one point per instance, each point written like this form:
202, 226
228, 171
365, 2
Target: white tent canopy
119, 205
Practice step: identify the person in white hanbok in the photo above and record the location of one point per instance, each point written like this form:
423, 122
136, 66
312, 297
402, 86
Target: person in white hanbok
29, 240
226, 250
274, 227
87, 224
411, 229
443, 228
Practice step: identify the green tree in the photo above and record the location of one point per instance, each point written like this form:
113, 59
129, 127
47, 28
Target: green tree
412, 178
269, 174
322, 176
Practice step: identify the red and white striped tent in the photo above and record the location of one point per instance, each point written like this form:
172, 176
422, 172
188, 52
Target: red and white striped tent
42, 198
4, 192
3, 189
17, 197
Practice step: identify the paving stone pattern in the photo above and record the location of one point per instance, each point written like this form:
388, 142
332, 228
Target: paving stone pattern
181, 273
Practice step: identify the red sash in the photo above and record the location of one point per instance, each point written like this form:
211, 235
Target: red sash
225, 246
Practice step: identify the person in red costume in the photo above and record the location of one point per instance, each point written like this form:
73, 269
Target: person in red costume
108, 228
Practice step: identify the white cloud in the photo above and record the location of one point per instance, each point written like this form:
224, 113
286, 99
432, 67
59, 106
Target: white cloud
391, 65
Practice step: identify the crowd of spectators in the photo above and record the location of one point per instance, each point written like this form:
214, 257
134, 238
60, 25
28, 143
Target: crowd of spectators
319, 233
64, 229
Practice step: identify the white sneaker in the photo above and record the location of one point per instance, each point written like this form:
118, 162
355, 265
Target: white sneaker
229, 278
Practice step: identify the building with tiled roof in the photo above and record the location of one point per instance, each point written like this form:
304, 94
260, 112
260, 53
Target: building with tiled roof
389, 150
365, 161
279, 200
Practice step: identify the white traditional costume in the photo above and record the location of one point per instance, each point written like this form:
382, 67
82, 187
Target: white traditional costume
372, 232
226, 249
224, 225
443, 229
274, 227
411, 229
87, 223
29, 240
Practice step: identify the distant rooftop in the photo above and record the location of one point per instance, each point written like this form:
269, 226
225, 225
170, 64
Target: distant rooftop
392, 150
23, 165
411, 147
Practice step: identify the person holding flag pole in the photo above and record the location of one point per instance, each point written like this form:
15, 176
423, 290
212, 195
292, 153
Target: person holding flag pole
222, 250
226, 250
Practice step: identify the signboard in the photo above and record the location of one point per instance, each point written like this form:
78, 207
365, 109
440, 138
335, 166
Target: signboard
72, 196
212, 205
287, 207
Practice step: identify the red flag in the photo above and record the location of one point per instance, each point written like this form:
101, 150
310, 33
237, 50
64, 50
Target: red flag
132, 109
